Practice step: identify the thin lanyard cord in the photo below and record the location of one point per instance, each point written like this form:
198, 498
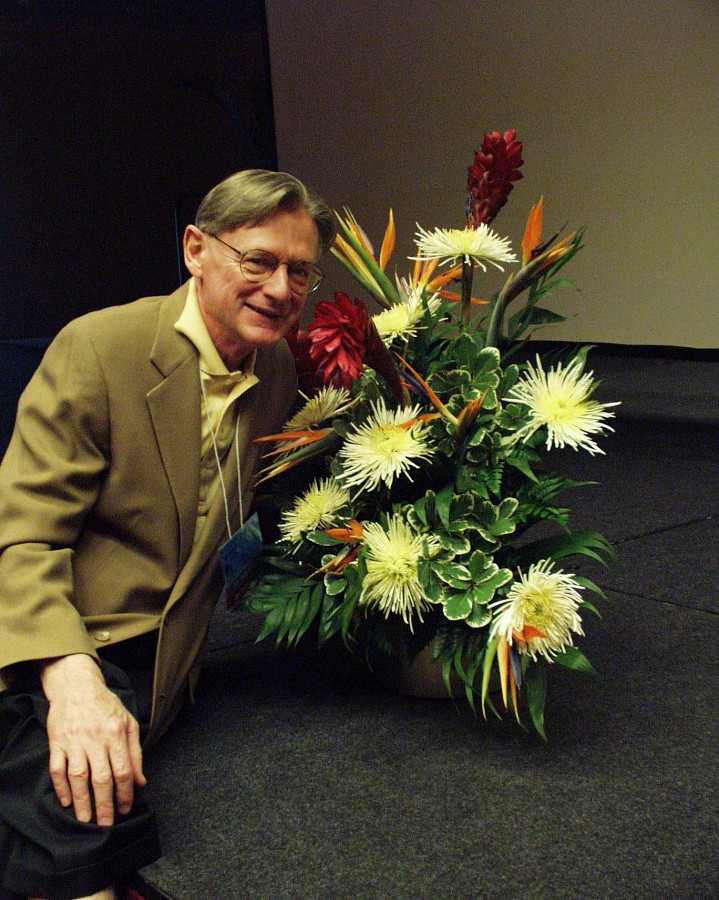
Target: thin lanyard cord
219, 464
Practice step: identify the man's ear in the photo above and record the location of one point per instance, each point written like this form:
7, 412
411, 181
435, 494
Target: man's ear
193, 245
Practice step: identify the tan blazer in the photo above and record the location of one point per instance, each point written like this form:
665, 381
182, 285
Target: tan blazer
99, 492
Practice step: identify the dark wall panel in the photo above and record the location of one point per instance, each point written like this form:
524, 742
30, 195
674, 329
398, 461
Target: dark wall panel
116, 117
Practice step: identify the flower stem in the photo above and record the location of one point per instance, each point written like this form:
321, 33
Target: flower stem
467, 276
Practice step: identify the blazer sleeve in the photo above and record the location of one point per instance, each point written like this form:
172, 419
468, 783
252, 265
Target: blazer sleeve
49, 478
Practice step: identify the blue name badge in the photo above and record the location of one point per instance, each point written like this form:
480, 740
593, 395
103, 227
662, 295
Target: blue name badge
238, 557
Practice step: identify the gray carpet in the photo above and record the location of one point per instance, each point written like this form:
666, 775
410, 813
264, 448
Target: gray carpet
299, 776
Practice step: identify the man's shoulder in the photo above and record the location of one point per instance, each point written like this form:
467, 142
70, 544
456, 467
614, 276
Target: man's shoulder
122, 332
124, 318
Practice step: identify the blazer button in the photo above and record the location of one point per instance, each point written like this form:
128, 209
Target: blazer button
102, 636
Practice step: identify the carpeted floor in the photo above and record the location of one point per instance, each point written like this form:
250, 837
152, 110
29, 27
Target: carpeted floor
298, 776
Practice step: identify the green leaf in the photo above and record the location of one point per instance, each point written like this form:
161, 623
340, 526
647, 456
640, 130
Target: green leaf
479, 617
502, 527
477, 563
417, 514
477, 438
471, 673
307, 608
434, 591
483, 591
534, 681
574, 659
443, 505
461, 506
521, 463
322, 539
560, 546
489, 656
334, 584
348, 610
454, 542
590, 586
507, 507
457, 607
540, 316
453, 574
272, 622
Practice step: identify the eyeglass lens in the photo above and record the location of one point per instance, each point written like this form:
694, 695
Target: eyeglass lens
259, 265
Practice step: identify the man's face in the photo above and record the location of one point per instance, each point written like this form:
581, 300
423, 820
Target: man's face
242, 315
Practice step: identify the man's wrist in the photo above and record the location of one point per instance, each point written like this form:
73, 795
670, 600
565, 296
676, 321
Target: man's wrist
60, 672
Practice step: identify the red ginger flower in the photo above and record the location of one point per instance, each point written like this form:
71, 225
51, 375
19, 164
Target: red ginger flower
492, 176
337, 335
338, 343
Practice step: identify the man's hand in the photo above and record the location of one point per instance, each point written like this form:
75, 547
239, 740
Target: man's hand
94, 741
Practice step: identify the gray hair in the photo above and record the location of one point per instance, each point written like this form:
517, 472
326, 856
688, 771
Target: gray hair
250, 196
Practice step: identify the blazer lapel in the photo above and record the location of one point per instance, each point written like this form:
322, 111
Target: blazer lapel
175, 411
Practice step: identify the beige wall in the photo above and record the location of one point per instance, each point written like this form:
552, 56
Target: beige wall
616, 102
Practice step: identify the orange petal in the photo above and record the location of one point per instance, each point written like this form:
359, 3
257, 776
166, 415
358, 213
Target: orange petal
307, 436
455, 298
513, 686
433, 398
350, 535
425, 417
471, 410
533, 231
444, 277
556, 252
528, 633
503, 664
358, 231
339, 562
387, 247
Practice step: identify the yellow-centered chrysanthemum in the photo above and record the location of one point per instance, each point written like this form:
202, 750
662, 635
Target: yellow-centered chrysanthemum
401, 319
329, 401
560, 401
541, 601
466, 245
387, 445
317, 508
392, 584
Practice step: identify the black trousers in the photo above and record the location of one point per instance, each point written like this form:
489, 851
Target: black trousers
44, 850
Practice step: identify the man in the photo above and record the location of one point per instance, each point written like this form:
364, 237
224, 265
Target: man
131, 462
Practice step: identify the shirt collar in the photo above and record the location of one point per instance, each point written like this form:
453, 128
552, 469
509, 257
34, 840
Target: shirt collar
192, 325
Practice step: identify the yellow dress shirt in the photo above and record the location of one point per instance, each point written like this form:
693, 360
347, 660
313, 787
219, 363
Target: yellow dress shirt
218, 413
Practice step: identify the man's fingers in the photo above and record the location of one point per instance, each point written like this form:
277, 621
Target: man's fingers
78, 773
133, 740
58, 774
122, 771
103, 788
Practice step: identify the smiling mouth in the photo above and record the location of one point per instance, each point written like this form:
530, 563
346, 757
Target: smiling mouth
265, 313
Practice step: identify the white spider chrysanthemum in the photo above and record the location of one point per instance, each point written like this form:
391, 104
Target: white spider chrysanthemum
329, 401
392, 584
543, 600
384, 447
401, 319
467, 245
559, 400
316, 508
415, 294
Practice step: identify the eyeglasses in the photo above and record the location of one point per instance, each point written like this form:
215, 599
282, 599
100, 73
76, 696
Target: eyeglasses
259, 265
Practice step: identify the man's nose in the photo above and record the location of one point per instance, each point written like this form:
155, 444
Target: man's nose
278, 284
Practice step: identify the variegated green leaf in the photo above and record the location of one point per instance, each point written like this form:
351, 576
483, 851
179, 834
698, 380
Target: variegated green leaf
457, 607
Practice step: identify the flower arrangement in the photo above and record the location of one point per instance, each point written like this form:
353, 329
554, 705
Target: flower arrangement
418, 460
